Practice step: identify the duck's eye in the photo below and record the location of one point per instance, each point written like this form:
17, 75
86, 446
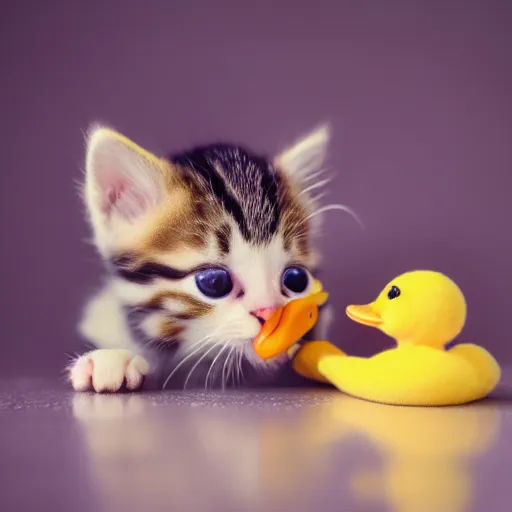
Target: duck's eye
393, 292
214, 283
295, 279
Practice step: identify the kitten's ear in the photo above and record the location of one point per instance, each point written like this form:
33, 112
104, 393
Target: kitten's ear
122, 179
123, 182
306, 157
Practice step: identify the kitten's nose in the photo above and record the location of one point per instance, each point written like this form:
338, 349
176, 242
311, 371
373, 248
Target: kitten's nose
263, 314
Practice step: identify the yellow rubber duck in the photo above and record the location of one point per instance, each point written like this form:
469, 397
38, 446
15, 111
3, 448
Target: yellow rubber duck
423, 311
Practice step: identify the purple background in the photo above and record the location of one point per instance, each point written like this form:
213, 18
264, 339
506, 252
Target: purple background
418, 95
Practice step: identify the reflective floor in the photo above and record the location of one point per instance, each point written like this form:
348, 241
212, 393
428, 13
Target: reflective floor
280, 450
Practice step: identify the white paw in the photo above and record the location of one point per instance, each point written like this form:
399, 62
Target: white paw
106, 370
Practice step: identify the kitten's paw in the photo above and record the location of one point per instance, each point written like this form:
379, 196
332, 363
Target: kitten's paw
107, 369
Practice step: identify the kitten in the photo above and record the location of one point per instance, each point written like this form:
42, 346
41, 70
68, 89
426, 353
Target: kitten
200, 248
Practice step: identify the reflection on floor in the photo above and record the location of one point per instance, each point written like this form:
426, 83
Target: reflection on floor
278, 450
423, 456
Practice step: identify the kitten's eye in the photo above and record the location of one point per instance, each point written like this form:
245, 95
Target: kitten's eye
295, 279
215, 283
393, 292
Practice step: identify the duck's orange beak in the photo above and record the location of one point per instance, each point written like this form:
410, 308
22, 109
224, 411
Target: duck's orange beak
288, 325
364, 314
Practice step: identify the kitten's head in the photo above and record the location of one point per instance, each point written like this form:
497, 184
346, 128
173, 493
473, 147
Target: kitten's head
207, 242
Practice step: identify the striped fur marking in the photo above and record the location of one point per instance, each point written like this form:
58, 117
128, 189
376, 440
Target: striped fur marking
127, 267
294, 224
246, 185
170, 331
194, 308
143, 272
223, 236
186, 226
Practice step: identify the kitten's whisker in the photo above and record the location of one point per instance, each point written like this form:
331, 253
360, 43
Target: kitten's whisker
225, 345
314, 175
316, 199
236, 363
200, 345
207, 336
227, 363
240, 361
194, 349
341, 207
316, 185
237, 353
196, 365
231, 365
224, 367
